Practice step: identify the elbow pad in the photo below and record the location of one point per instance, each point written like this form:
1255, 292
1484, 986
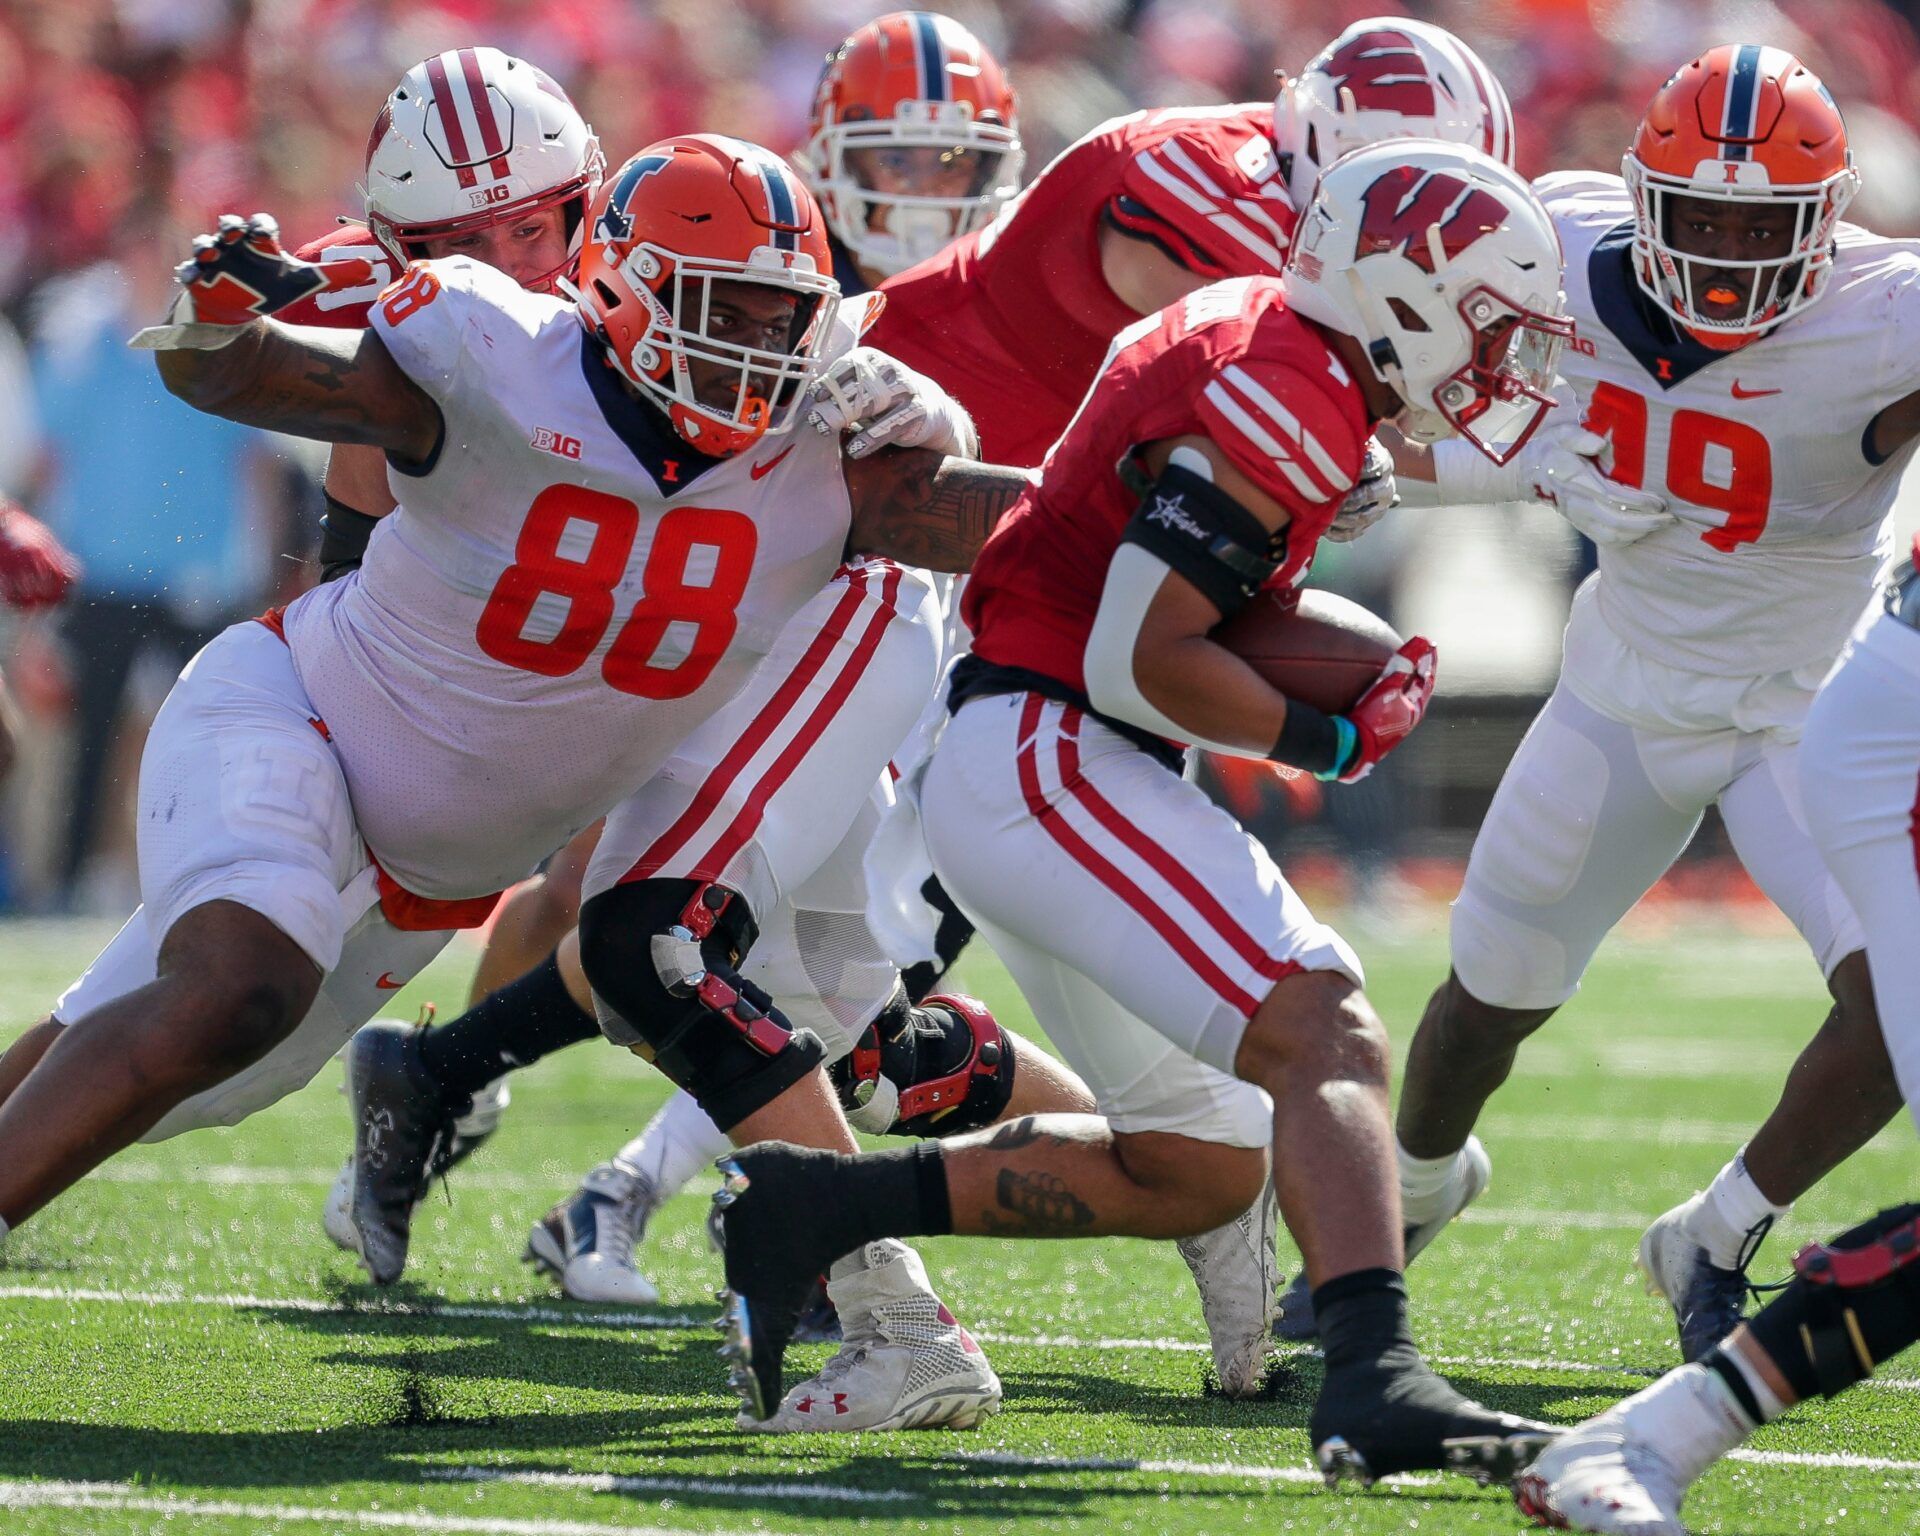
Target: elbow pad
1197, 529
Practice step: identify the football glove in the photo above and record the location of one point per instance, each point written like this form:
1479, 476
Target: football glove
887, 404
1568, 464
236, 276
1371, 499
36, 571
1388, 711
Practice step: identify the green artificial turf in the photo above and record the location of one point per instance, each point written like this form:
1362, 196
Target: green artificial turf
181, 1349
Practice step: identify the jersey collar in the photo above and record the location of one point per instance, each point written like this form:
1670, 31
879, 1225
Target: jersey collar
673, 462
1669, 355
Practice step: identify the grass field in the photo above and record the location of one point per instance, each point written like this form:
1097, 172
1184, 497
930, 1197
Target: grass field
182, 1350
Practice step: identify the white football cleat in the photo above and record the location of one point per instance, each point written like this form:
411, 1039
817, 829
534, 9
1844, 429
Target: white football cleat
1598, 1477
337, 1215
904, 1362
1708, 1302
586, 1242
1236, 1272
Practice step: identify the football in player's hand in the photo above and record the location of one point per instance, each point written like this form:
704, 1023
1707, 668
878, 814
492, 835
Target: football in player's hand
1324, 650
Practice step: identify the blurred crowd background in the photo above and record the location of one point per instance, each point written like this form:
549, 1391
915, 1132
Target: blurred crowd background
127, 125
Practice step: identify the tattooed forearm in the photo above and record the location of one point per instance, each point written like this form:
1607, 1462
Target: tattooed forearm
923, 508
1038, 1205
337, 386
1046, 1131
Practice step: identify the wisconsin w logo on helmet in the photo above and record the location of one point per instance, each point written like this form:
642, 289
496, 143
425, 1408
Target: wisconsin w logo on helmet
1384, 72
1427, 216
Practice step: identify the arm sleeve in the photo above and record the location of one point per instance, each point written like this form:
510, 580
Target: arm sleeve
1175, 194
1286, 433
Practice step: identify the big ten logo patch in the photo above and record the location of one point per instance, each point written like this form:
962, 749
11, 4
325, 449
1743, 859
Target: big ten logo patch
549, 441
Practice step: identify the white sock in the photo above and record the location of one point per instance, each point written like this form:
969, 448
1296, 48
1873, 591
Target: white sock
676, 1145
1424, 1182
1729, 1210
1690, 1417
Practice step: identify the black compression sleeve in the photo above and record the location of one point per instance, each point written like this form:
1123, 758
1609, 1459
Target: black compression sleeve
1208, 537
343, 539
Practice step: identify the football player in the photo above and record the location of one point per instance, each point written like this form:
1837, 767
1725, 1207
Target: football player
1748, 398
1854, 1303
295, 867
1177, 971
36, 571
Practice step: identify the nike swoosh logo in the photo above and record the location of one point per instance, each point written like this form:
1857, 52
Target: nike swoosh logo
1750, 394
386, 983
767, 468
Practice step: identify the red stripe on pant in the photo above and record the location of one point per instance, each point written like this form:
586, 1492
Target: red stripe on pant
715, 786
483, 113
449, 118
747, 823
1913, 828
1082, 853
1162, 863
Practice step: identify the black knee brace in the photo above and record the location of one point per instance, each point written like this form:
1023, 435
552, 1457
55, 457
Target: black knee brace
934, 1070
948, 940
1851, 1304
664, 956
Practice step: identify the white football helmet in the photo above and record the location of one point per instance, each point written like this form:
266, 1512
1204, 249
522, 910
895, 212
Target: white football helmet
1387, 78
1441, 262
470, 138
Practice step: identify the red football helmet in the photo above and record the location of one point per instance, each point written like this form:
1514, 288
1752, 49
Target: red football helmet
471, 138
911, 80
1750, 125
681, 219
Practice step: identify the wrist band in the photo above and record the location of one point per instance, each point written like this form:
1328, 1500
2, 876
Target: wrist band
1310, 739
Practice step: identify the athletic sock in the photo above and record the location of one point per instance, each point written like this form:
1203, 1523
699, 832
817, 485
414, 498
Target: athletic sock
1424, 1183
1757, 1401
1690, 1417
868, 1256
513, 1027
898, 1193
1730, 1213
1362, 1317
676, 1145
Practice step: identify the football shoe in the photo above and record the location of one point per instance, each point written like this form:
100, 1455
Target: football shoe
586, 1241
1598, 1477
402, 1123
1471, 1175
470, 1133
1708, 1302
1236, 1272
905, 1363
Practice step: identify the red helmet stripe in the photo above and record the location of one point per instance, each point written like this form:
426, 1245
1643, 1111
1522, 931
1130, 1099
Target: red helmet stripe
483, 113
1498, 140
449, 114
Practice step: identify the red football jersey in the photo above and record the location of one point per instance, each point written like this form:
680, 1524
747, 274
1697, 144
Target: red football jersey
1231, 363
1014, 320
347, 309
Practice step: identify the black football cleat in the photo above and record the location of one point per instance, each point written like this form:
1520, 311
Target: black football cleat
1398, 1416
403, 1130
760, 1222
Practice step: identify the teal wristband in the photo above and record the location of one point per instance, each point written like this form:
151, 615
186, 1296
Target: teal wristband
1347, 749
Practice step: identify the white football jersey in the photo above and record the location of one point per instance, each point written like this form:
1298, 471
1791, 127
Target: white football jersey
1760, 452
564, 592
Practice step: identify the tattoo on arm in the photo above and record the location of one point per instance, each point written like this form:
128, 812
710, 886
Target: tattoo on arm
923, 508
1039, 1205
337, 386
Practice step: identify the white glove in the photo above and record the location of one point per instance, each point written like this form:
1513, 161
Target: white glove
1567, 464
1371, 499
890, 405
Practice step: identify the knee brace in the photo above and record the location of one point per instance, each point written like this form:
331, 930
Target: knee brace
948, 940
664, 957
934, 1070
1851, 1304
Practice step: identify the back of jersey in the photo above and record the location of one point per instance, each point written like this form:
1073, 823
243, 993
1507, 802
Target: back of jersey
563, 592
1229, 362
1780, 507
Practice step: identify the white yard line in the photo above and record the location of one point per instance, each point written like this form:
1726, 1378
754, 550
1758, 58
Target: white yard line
610, 1482
122, 1497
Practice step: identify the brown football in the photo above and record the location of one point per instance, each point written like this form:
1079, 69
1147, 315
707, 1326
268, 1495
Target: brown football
1324, 651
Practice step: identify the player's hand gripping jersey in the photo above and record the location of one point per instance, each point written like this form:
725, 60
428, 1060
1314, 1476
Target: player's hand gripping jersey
1229, 362
1023, 303
561, 550
1760, 451
346, 309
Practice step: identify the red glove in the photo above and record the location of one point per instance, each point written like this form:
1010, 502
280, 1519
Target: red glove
1391, 708
35, 570
240, 275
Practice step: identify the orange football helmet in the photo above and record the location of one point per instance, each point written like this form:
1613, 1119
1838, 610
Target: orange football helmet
1740, 124
911, 80
679, 219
